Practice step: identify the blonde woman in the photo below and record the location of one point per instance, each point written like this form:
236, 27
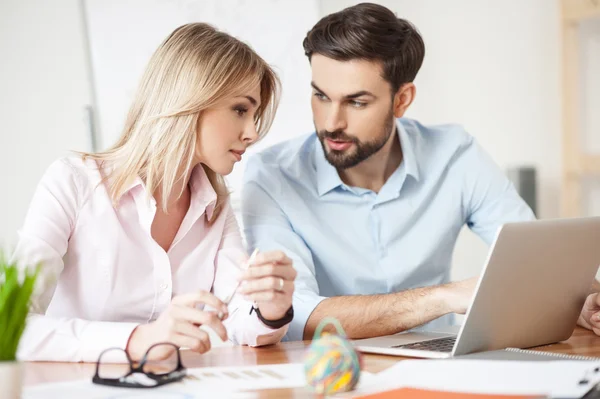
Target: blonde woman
135, 241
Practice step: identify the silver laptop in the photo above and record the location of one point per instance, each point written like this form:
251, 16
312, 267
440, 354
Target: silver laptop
530, 293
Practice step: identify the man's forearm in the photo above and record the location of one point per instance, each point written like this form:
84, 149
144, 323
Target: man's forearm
365, 316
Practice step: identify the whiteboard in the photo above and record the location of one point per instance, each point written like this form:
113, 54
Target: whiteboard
123, 34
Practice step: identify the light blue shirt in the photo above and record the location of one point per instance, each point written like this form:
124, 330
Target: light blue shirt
348, 240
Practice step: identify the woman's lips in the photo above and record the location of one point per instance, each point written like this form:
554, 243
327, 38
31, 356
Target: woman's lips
237, 154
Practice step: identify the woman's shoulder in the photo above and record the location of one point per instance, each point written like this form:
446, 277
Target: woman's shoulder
73, 172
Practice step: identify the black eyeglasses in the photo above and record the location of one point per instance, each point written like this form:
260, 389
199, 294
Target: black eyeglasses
145, 374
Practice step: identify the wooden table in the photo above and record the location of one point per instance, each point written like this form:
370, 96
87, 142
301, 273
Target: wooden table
582, 342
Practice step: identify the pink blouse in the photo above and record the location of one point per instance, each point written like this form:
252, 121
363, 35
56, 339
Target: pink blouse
103, 274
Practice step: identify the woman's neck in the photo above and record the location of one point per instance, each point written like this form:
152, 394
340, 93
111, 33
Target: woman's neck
180, 194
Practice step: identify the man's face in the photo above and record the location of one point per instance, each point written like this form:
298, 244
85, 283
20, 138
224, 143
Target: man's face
352, 109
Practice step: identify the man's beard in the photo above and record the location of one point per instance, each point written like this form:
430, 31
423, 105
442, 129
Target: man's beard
362, 150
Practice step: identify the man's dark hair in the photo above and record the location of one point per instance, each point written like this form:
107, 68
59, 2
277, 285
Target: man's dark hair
369, 32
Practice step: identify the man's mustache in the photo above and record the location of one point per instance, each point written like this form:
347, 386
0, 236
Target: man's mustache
337, 135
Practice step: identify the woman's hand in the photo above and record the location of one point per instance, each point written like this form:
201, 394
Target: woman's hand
179, 324
269, 281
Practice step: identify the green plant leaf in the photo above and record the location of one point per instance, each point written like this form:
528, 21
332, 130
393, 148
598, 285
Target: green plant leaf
16, 287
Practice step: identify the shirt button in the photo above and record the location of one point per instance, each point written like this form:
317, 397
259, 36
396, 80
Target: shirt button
163, 286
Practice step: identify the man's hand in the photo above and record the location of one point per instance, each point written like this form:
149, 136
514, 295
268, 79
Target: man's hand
590, 314
459, 294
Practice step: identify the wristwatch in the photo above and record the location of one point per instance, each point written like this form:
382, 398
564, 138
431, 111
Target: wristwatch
289, 315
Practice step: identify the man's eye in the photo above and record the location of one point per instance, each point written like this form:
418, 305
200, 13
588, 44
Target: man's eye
358, 104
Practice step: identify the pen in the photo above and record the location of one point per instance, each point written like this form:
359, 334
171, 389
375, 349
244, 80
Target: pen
230, 297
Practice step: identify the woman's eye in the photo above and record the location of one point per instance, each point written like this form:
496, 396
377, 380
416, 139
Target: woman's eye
240, 111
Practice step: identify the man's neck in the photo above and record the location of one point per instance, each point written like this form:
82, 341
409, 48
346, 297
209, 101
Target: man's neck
373, 172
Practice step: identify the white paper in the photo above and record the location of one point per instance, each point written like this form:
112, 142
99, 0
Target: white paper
548, 378
250, 377
226, 382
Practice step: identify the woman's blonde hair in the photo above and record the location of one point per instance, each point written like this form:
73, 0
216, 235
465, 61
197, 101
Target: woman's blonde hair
195, 68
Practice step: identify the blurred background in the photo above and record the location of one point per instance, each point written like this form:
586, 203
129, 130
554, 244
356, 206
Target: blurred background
523, 76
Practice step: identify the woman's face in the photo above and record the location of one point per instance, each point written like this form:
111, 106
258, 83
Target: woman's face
226, 130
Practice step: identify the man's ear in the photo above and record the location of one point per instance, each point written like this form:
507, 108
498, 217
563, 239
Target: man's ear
403, 98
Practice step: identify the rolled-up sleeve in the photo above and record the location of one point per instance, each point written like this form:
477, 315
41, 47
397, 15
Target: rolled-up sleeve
267, 227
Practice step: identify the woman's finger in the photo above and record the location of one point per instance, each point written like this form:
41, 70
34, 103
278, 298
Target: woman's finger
200, 317
269, 270
277, 257
267, 296
200, 297
266, 284
200, 345
191, 330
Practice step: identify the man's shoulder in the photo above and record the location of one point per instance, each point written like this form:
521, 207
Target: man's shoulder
288, 159
438, 146
445, 136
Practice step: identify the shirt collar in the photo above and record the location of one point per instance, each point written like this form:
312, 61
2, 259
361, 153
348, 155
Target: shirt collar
136, 182
409, 141
328, 178
327, 175
203, 193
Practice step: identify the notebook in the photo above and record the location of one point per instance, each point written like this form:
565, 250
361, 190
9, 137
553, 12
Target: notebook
411, 393
524, 355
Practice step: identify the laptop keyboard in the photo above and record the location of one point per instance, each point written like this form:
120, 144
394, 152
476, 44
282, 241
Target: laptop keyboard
435, 345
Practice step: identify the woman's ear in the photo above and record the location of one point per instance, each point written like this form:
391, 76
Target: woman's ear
403, 98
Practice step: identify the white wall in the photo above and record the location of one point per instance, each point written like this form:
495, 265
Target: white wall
43, 89
124, 34
493, 66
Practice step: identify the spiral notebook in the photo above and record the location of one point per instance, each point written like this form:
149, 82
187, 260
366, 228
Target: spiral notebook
525, 355
411, 393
